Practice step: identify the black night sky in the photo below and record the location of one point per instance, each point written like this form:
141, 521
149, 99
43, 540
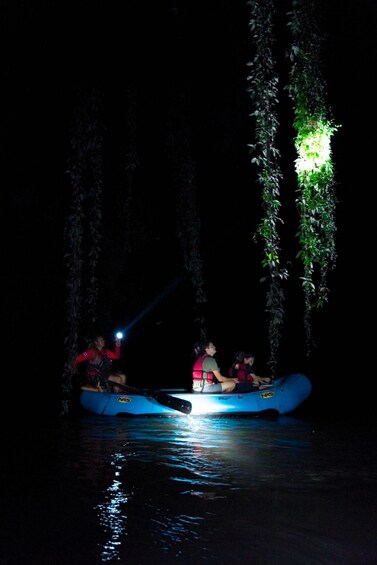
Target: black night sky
165, 64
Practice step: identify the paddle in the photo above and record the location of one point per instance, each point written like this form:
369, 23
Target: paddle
172, 402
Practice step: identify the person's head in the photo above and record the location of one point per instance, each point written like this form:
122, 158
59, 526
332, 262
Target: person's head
99, 341
249, 358
239, 357
244, 357
197, 348
209, 348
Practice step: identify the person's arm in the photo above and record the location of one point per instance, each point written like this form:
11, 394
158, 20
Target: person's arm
233, 370
210, 366
85, 356
114, 355
256, 379
221, 377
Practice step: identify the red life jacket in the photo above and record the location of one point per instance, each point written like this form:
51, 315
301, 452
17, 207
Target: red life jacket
198, 374
241, 373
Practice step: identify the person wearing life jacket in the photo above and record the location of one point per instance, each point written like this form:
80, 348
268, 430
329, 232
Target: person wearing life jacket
205, 370
239, 369
242, 368
98, 361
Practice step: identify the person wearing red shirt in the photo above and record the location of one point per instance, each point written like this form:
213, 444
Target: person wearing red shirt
99, 362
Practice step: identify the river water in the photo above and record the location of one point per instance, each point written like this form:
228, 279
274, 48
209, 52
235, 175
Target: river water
263, 491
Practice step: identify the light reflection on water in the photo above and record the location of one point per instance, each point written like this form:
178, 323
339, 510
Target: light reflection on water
214, 490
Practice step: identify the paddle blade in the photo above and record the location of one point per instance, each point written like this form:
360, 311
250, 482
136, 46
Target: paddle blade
172, 402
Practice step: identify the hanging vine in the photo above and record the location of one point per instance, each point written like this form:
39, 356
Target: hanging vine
188, 227
188, 221
94, 171
314, 129
85, 172
73, 256
263, 92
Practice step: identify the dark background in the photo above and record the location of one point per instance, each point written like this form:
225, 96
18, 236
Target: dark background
164, 52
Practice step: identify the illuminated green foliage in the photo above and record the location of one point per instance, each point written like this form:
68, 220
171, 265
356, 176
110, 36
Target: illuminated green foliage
314, 129
315, 175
